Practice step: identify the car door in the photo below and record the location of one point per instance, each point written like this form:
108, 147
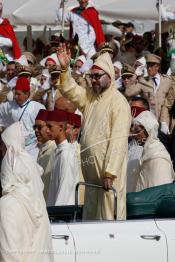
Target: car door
63, 243
123, 241
168, 227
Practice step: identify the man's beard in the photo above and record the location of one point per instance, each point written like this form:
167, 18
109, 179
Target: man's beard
98, 89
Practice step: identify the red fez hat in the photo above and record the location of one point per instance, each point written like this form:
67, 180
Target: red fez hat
51, 60
57, 116
96, 67
136, 110
22, 84
42, 115
74, 119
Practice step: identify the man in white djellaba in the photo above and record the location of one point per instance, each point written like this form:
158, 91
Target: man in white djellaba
46, 148
24, 110
64, 163
24, 224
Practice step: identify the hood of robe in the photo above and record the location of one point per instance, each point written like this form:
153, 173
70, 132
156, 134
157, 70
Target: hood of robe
149, 122
153, 148
20, 174
105, 63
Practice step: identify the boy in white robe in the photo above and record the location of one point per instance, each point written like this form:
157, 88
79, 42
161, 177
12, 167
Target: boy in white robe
46, 148
65, 168
24, 110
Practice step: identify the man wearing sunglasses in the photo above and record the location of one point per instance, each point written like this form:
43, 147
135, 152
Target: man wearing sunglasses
104, 135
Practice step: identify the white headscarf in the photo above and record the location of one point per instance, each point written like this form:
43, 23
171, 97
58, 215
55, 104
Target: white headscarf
22, 186
148, 120
21, 175
118, 64
82, 58
153, 147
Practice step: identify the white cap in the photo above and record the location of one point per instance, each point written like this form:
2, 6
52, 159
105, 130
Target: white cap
53, 56
22, 60
82, 58
142, 60
45, 72
118, 64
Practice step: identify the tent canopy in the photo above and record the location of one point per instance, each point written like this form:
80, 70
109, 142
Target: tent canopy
9, 6
142, 13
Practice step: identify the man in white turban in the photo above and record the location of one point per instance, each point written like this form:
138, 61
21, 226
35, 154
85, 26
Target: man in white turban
155, 163
24, 225
104, 136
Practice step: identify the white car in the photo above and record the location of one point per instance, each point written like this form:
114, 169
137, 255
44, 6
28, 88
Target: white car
137, 239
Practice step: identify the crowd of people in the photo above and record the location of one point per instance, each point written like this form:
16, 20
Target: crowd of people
96, 108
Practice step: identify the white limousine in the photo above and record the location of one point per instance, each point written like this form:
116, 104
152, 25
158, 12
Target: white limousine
148, 234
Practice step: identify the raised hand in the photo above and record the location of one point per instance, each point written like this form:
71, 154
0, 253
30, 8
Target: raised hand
64, 56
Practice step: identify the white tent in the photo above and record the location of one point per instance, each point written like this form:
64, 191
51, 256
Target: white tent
141, 10
42, 12
9, 6
36, 12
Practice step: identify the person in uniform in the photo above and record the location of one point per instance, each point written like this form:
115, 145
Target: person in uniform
154, 87
127, 75
52, 94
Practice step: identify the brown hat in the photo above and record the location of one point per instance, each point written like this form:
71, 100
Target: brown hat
151, 58
55, 70
24, 71
127, 70
105, 47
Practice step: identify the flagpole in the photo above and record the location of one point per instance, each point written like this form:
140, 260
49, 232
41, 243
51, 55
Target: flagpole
62, 24
160, 25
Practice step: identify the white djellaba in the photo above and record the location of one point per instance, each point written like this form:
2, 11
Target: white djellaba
24, 225
155, 163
